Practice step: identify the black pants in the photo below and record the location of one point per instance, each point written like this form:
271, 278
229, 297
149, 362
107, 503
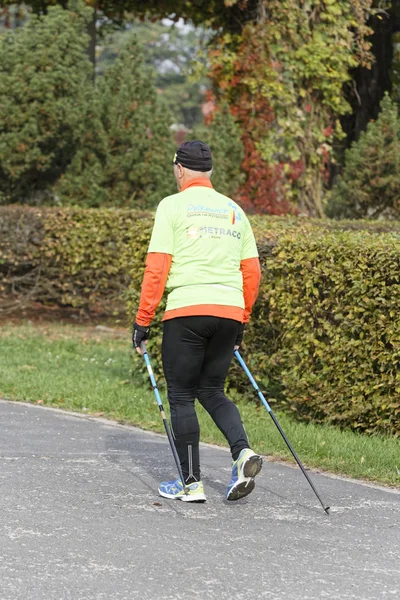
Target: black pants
196, 354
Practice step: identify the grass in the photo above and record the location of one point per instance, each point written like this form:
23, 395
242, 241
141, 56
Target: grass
84, 369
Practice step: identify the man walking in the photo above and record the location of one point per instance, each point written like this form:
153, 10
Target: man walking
203, 249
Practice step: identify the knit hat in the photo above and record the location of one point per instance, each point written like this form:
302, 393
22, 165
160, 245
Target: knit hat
194, 155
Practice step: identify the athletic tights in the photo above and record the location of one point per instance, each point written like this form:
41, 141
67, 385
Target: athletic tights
196, 354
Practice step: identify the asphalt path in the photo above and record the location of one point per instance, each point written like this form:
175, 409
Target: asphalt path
80, 519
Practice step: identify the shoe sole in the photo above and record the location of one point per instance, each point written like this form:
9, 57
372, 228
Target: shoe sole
184, 498
241, 490
199, 500
244, 487
252, 466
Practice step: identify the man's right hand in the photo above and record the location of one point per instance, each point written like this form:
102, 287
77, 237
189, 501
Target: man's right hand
140, 334
239, 337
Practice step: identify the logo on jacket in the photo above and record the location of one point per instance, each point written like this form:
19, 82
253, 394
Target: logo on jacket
193, 232
203, 210
234, 214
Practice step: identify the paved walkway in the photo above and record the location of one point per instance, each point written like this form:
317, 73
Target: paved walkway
80, 519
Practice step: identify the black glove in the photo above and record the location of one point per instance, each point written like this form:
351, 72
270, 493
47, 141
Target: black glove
140, 333
239, 337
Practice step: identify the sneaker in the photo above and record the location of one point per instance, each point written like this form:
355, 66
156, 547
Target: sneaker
174, 489
244, 469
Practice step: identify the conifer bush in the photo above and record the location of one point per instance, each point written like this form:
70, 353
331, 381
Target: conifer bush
83, 182
370, 183
126, 152
64, 140
44, 77
138, 171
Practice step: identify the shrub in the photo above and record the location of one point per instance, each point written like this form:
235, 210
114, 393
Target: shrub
71, 257
324, 340
44, 77
370, 183
64, 140
83, 182
126, 151
328, 315
138, 171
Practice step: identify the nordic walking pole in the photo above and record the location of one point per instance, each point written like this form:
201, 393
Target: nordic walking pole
163, 416
275, 420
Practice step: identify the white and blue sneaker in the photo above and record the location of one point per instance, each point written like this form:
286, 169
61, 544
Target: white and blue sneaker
175, 490
244, 469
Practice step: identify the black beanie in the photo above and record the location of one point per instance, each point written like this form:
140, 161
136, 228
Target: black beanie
195, 155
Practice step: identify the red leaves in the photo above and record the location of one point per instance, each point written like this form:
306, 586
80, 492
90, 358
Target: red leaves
263, 191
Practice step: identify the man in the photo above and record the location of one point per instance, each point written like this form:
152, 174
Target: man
203, 249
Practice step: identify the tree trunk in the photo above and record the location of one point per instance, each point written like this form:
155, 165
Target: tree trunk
369, 85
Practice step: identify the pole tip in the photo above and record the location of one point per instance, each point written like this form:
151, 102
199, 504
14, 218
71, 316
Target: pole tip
327, 509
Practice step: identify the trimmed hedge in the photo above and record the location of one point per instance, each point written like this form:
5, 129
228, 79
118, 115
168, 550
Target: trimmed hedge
332, 320
324, 340
71, 257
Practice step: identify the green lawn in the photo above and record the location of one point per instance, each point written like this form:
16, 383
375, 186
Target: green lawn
80, 368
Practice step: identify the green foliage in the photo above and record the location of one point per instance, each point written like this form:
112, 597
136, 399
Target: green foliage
126, 150
297, 58
170, 52
284, 65
83, 182
139, 165
64, 141
223, 137
330, 312
324, 339
44, 75
370, 183
215, 11
73, 257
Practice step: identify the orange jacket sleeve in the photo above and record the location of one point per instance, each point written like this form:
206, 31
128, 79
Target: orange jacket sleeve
155, 277
251, 273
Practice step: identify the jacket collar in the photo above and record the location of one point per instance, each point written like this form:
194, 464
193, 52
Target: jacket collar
198, 181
